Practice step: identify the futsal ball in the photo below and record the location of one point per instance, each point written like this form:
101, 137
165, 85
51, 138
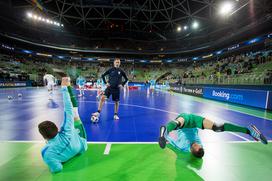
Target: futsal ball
10, 97
20, 95
94, 119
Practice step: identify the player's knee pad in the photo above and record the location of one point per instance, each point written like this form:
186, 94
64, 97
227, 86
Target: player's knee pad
218, 127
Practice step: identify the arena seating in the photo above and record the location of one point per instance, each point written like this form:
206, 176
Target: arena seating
250, 68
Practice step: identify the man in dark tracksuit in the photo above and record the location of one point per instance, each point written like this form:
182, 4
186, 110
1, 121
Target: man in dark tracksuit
114, 84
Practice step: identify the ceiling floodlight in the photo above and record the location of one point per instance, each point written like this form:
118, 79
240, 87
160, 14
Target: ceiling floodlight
195, 25
226, 8
179, 29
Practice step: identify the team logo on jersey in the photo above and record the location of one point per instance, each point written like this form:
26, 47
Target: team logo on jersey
119, 72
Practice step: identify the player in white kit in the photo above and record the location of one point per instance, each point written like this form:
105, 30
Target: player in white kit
49, 81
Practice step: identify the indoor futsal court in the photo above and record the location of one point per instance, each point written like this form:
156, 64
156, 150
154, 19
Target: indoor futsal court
135, 90
127, 149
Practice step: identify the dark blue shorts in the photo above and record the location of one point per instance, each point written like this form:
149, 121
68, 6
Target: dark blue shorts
115, 92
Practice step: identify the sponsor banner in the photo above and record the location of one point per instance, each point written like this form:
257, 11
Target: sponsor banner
190, 90
176, 88
193, 90
255, 98
138, 84
13, 84
162, 86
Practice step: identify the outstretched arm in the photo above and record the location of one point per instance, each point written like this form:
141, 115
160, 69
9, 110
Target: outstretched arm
68, 123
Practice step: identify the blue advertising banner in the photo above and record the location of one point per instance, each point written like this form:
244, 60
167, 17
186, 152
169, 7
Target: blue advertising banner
255, 98
4, 84
138, 84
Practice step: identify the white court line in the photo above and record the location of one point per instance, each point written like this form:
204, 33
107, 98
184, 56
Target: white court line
250, 141
132, 143
125, 143
133, 105
151, 108
243, 138
22, 141
107, 149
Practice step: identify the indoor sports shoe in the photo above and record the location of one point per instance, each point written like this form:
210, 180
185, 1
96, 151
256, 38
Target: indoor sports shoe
162, 140
263, 139
115, 117
256, 134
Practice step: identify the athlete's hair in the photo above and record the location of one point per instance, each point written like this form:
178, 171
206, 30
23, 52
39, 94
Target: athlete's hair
199, 153
48, 129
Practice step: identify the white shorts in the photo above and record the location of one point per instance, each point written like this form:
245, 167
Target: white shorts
50, 85
152, 87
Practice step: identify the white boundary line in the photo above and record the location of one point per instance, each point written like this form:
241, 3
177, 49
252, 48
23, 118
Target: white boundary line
107, 149
151, 108
125, 143
133, 105
250, 141
243, 138
22, 141
133, 143
216, 103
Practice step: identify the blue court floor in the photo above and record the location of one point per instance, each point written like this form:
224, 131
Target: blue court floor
141, 114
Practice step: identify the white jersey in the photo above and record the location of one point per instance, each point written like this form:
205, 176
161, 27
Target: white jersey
50, 79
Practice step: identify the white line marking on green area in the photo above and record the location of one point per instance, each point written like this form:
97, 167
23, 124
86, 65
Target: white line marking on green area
22, 141
107, 149
126, 143
243, 138
250, 141
131, 143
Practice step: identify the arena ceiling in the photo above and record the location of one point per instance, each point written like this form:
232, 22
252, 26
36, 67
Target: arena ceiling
157, 17
137, 26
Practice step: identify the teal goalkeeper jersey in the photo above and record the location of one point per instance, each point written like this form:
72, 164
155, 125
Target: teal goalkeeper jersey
183, 138
67, 143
